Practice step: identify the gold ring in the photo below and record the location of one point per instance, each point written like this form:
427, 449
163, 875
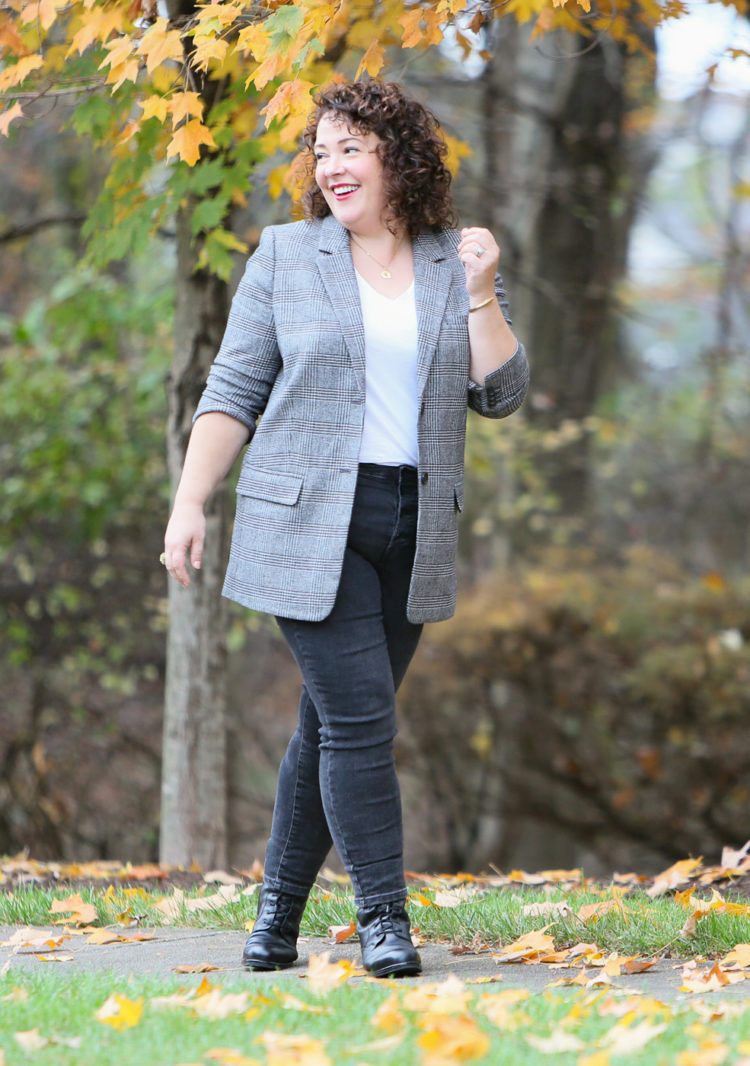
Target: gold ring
163, 558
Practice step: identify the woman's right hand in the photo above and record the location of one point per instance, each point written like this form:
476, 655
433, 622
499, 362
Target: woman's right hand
185, 535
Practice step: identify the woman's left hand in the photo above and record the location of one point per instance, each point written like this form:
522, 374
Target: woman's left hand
480, 254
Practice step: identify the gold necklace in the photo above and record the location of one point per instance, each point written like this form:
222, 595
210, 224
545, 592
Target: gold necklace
384, 271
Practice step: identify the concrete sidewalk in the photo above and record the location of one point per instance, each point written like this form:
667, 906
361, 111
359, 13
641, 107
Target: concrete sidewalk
170, 947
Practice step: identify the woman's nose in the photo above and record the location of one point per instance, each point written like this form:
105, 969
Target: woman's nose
334, 164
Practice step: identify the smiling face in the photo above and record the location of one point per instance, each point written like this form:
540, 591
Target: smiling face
349, 174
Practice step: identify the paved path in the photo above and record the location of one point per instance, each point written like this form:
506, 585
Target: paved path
172, 947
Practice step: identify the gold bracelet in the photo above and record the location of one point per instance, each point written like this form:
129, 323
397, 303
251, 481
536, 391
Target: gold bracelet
484, 303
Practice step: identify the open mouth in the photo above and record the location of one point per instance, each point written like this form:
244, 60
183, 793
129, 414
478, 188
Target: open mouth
343, 192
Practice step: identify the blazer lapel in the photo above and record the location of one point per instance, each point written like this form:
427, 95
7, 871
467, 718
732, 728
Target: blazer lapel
432, 280
337, 271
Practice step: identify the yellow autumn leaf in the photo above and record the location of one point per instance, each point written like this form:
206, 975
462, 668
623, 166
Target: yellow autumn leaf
215, 1005
528, 948
450, 996
556, 1043
41, 11
160, 44
75, 910
451, 1039
99, 25
187, 141
323, 975
708, 1054
593, 911
8, 116
31, 1040
16, 73
412, 24
284, 1049
227, 1056
624, 1039
673, 877
738, 958
389, 1016
208, 48
120, 1012
184, 105
372, 61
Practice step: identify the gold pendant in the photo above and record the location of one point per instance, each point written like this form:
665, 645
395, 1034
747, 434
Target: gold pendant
385, 274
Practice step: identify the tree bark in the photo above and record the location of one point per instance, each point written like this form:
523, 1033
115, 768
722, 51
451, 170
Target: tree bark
194, 788
562, 187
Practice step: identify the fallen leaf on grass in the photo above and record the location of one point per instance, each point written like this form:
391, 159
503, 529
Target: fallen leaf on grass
447, 1039
227, 1056
544, 910
221, 877
455, 897
284, 1049
290, 1002
75, 910
731, 859
501, 1008
450, 996
389, 1015
16, 995
591, 912
709, 1054
214, 1005
53, 958
31, 1040
625, 1039
120, 1012
198, 967
673, 877
559, 1041
323, 975
172, 907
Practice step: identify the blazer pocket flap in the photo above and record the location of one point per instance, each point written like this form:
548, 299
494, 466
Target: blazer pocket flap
459, 492
276, 487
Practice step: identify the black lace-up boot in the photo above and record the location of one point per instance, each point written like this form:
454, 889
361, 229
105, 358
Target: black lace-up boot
272, 945
387, 950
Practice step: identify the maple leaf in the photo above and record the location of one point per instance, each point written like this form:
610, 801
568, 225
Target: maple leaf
120, 1012
738, 957
160, 44
186, 143
372, 61
673, 877
198, 967
42, 11
323, 975
448, 1039
31, 1040
450, 996
557, 1042
185, 105
625, 1039
389, 1016
76, 910
99, 25
214, 1005
284, 1049
501, 1008
528, 948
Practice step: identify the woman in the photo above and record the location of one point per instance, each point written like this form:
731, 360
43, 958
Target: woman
359, 334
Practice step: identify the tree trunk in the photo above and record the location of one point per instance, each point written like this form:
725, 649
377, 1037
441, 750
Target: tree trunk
193, 811
562, 184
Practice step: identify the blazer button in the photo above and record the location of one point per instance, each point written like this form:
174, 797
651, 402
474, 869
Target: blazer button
424, 478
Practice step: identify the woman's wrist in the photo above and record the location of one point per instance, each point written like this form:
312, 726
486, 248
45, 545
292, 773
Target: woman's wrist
477, 305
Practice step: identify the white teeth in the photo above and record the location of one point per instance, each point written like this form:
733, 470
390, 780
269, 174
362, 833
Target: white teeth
341, 190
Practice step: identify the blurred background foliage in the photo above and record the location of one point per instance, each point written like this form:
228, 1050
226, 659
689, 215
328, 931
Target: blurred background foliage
588, 703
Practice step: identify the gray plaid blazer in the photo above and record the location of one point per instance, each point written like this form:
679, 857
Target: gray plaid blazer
293, 352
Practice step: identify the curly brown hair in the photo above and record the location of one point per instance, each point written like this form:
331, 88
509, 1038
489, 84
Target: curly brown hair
412, 151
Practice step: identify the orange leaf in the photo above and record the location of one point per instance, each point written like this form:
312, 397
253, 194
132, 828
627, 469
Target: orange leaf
343, 932
675, 876
372, 61
79, 912
187, 140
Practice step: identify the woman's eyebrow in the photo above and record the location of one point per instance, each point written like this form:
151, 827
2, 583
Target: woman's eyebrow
341, 140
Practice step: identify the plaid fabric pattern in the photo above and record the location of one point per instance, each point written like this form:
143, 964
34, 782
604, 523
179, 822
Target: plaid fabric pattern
293, 353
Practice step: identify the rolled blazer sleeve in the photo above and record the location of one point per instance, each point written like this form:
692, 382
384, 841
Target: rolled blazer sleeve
504, 389
248, 362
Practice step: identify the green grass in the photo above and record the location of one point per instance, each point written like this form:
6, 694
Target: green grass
641, 926
64, 1010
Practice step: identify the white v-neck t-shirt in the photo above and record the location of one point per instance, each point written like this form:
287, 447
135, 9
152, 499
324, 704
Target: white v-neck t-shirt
389, 435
